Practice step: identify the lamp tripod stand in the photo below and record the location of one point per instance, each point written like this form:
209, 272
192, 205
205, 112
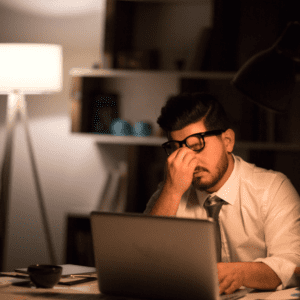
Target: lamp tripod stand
16, 105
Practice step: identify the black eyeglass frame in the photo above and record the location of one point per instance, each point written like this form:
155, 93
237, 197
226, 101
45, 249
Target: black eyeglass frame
201, 134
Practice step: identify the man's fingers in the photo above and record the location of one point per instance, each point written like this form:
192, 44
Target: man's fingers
232, 288
230, 279
228, 285
182, 152
188, 157
180, 166
182, 158
224, 285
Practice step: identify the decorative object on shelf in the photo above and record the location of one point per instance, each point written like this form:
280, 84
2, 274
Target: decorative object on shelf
25, 69
142, 129
142, 60
121, 127
104, 112
268, 78
96, 66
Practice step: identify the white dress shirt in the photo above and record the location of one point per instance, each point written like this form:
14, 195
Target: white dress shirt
259, 223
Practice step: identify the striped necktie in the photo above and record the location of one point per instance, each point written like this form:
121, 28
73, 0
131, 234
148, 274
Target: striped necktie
213, 206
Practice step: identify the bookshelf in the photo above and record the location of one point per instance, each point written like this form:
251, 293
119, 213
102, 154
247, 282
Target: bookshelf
123, 82
158, 141
115, 73
141, 66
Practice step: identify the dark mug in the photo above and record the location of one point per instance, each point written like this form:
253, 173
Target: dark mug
44, 276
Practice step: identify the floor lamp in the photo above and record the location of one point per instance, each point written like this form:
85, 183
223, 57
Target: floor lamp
25, 69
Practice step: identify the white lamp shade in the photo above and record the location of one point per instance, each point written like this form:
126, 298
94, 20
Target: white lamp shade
30, 68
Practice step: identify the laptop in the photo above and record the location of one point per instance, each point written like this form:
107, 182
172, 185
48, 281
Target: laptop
153, 257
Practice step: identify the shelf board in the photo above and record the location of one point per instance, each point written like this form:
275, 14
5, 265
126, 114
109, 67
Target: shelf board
114, 73
158, 141
123, 140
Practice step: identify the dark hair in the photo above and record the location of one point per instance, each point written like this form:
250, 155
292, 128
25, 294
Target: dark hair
185, 109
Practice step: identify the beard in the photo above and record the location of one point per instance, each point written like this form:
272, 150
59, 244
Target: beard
221, 169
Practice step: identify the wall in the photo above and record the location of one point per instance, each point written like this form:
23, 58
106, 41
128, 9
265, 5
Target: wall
71, 168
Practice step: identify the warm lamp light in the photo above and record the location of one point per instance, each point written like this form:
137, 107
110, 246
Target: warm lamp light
30, 68
268, 78
25, 69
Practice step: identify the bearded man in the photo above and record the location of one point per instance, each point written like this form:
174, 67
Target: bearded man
258, 219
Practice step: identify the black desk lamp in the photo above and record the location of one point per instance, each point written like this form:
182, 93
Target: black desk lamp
268, 78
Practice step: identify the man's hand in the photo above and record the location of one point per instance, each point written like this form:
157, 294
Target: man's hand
179, 172
231, 277
255, 275
180, 168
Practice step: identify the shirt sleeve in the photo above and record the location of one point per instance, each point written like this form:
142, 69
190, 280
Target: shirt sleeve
154, 198
281, 214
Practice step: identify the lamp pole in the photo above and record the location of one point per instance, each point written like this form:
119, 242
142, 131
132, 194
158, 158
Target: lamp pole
17, 104
11, 110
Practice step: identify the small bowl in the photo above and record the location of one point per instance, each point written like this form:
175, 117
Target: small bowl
44, 276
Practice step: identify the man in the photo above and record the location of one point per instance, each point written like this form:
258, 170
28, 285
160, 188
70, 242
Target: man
260, 219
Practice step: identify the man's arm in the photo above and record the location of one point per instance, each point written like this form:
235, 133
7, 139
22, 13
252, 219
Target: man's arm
167, 203
256, 275
282, 230
179, 171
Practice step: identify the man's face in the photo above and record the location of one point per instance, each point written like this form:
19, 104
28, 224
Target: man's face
212, 169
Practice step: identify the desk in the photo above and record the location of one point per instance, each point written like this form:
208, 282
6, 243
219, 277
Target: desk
24, 292
80, 292
59, 292
77, 292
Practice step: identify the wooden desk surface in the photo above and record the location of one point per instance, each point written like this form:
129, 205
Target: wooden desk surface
81, 291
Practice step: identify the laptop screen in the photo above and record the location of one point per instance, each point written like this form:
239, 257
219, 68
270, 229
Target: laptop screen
150, 257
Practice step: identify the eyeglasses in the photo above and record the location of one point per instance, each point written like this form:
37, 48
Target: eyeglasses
195, 141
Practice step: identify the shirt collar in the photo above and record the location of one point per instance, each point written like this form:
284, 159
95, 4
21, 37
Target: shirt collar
228, 192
